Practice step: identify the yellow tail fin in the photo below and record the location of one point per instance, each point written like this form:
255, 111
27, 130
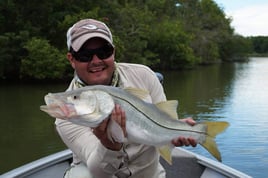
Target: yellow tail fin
213, 129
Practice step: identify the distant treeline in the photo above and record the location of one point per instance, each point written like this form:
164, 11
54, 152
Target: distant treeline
259, 45
163, 34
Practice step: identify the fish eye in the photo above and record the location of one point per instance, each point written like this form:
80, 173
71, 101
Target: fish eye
75, 97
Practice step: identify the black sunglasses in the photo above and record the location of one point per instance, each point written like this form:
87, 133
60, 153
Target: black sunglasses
86, 55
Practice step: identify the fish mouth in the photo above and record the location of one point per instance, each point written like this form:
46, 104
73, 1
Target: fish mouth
62, 111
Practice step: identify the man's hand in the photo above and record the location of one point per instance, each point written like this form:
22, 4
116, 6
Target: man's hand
182, 141
119, 116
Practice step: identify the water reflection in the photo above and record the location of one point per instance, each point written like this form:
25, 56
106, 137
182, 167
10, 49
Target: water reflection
200, 92
237, 93
249, 100
26, 132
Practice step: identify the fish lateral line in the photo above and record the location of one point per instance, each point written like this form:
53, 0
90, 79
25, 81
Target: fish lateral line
154, 121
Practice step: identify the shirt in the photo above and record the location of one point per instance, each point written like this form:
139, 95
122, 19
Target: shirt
133, 160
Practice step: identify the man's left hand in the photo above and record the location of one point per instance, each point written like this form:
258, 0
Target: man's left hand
182, 141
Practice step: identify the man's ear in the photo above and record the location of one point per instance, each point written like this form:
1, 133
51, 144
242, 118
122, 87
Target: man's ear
70, 59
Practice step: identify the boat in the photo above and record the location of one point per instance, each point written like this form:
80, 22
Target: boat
186, 164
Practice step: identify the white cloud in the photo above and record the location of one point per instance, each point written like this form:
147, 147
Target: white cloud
251, 20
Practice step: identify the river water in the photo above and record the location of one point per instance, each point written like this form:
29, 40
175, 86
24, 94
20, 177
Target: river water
233, 92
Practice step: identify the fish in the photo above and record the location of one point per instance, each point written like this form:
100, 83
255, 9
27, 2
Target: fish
146, 123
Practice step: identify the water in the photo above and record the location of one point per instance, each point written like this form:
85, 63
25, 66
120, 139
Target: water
234, 92
237, 93
26, 133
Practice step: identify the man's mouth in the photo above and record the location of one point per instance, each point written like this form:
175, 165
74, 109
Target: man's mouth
96, 69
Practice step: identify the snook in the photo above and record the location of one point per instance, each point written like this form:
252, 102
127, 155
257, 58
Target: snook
146, 123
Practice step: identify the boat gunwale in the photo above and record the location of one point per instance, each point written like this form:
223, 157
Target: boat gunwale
37, 165
62, 156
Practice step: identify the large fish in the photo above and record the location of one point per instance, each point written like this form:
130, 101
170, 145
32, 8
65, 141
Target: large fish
146, 123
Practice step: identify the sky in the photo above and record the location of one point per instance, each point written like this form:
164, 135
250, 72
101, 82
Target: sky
250, 17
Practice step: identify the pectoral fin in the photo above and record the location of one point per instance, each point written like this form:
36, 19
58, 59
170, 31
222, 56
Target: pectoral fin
115, 132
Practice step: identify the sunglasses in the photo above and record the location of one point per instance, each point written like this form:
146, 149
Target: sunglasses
86, 55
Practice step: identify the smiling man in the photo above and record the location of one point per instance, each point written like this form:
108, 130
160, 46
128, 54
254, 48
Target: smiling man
91, 54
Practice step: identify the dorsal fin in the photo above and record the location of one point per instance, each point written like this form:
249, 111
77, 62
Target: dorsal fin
169, 107
140, 93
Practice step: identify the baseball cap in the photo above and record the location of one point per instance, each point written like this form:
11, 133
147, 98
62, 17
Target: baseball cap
85, 29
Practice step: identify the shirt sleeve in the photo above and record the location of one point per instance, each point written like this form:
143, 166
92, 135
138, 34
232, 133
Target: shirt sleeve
140, 76
155, 88
87, 148
101, 161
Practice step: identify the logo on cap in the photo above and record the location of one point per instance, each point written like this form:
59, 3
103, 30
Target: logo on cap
90, 27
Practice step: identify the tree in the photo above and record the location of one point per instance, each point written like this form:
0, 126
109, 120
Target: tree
260, 44
11, 53
131, 30
209, 28
43, 61
167, 34
171, 43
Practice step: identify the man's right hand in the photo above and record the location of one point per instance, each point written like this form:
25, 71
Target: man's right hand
119, 116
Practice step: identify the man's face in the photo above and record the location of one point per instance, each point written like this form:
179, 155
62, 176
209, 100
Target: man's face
96, 71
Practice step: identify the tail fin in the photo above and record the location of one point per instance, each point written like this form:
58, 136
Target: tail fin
213, 129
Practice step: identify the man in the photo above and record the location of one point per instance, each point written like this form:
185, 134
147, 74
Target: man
91, 54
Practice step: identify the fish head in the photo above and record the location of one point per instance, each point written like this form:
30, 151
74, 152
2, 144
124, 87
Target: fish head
83, 107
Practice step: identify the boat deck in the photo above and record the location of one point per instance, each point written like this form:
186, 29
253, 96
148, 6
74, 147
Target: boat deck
185, 164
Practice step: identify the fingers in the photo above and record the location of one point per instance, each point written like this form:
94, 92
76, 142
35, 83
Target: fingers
101, 129
182, 141
123, 123
177, 141
119, 116
189, 121
192, 142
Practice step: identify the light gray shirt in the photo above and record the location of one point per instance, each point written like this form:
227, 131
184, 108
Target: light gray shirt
133, 160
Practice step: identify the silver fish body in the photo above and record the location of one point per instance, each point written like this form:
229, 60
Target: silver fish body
146, 123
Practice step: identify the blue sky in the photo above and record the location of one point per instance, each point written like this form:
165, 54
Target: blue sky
250, 17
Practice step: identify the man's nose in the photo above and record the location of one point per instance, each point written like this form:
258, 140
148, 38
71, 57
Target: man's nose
95, 58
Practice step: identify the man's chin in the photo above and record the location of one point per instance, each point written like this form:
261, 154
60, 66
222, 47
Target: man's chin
100, 80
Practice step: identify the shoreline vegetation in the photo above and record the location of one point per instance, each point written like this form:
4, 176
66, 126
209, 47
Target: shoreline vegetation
164, 35
66, 80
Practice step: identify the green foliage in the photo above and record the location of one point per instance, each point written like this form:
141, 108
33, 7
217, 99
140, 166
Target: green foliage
171, 43
260, 44
133, 35
163, 34
44, 61
209, 28
11, 53
238, 48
